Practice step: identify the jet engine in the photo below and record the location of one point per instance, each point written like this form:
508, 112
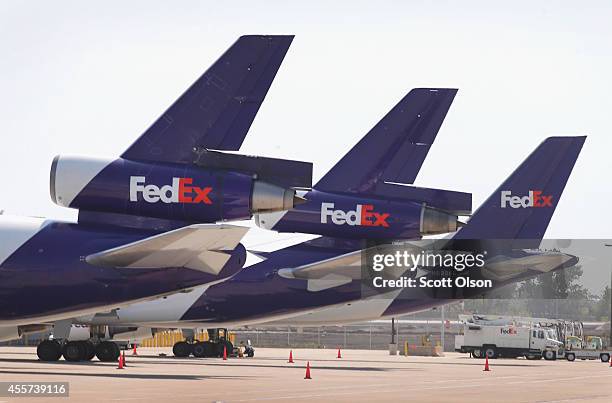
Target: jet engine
167, 191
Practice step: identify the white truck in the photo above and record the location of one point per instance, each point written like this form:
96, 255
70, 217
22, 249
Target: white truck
510, 340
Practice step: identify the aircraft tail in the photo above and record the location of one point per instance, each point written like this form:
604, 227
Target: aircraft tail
522, 207
394, 149
217, 111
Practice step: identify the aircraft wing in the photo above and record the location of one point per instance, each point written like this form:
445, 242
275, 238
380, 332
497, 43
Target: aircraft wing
328, 273
199, 247
506, 269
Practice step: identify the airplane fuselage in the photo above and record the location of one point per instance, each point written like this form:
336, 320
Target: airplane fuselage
44, 275
259, 295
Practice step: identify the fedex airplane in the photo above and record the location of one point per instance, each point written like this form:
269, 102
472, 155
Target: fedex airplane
318, 282
359, 198
513, 230
147, 220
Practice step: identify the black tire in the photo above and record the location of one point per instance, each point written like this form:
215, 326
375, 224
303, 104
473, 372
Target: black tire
605, 357
549, 355
90, 350
210, 349
477, 353
182, 349
490, 352
74, 351
570, 356
49, 350
200, 349
107, 351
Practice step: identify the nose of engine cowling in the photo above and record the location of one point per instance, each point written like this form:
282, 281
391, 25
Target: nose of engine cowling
268, 198
435, 221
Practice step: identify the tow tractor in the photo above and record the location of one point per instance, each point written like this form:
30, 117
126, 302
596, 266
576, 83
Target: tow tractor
218, 341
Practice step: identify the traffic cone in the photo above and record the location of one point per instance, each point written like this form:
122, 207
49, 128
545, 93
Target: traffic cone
339, 355
307, 371
134, 352
224, 353
610, 362
120, 362
290, 357
486, 368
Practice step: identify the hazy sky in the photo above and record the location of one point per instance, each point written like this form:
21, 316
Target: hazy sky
88, 77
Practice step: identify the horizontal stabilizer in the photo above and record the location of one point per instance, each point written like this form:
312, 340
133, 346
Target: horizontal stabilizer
217, 111
286, 173
199, 247
454, 202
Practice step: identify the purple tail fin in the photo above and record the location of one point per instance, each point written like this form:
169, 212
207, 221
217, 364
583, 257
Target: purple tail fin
394, 150
216, 112
521, 208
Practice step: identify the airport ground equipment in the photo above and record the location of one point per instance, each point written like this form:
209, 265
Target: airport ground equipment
495, 339
591, 348
218, 340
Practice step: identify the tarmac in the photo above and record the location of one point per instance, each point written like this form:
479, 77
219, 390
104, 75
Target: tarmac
359, 376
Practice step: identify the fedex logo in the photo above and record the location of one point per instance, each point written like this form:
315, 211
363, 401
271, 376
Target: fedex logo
362, 215
510, 331
535, 198
181, 191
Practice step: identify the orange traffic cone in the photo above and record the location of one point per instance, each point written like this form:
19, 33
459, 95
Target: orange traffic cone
134, 352
290, 357
307, 371
610, 362
486, 368
339, 355
120, 362
224, 353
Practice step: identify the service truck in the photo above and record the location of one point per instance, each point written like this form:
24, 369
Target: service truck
508, 340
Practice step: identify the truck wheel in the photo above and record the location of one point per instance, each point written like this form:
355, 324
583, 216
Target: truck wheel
550, 355
181, 349
199, 350
90, 350
570, 356
490, 353
210, 348
605, 357
74, 351
107, 351
49, 350
477, 353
